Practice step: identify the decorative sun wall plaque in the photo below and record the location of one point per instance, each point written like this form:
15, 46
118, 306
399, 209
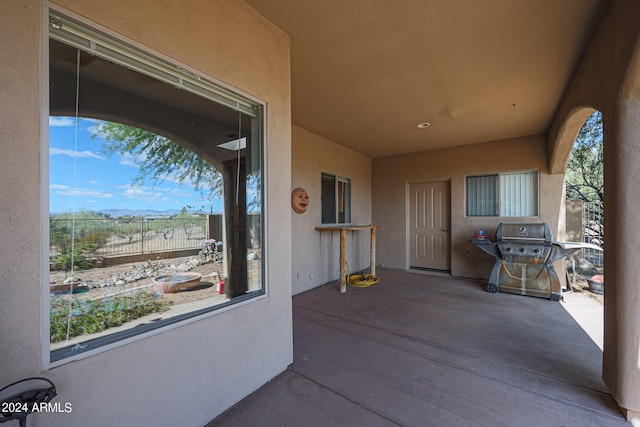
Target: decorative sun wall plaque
299, 200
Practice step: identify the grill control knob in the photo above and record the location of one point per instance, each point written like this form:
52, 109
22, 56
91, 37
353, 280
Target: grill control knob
536, 251
523, 250
509, 249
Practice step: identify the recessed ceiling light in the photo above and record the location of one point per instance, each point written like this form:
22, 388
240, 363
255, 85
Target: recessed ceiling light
424, 125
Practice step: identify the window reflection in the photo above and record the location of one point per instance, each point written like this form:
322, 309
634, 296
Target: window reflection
155, 212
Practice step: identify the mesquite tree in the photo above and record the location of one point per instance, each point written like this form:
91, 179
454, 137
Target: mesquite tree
159, 158
585, 169
585, 176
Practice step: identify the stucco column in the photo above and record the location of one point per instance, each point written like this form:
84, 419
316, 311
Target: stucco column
621, 359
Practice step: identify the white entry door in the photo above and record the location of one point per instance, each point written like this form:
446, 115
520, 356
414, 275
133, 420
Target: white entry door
429, 226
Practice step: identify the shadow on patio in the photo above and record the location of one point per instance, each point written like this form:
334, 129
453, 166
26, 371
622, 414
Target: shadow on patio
418, 350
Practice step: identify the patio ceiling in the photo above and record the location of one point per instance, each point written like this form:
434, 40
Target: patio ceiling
365, 73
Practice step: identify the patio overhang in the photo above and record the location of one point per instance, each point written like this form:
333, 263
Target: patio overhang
364, 74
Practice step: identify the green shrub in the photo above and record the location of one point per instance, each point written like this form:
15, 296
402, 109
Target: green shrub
81, 257
94, 241
89, 317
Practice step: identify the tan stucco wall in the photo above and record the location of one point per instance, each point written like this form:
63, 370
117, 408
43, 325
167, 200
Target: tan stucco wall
574, 220
187, 375
392, 175
316, 254
608, 80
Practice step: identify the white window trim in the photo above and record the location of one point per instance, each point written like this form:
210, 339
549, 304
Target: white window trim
336, 180
47, 364
348, 203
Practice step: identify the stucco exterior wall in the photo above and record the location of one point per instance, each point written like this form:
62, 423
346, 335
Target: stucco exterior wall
574, 220
609, 80
315, 253
189, 374
393, 175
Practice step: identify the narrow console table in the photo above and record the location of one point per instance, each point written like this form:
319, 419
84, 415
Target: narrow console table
343, 248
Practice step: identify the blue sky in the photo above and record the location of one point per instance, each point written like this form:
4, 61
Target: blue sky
83, 177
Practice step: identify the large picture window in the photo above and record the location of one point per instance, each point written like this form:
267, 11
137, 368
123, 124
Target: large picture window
506, 195
155, 192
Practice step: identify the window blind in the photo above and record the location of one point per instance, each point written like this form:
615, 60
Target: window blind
95, 43
482, 195
519, 194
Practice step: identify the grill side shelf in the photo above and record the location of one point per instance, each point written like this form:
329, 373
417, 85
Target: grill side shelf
487, 246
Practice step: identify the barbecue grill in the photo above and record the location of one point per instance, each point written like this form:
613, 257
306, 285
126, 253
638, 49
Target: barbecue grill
524, 255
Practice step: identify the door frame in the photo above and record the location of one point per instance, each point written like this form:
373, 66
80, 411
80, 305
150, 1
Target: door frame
408, 185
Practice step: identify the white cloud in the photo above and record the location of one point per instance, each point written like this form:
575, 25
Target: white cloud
172, 178
71, 153
177, 192
166, 192
155, 194
62, 121
127, 159
95, 126
65, 190
140, 194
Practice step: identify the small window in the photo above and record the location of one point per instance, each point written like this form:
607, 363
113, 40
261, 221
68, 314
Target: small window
336, 199
482, 195
506, 195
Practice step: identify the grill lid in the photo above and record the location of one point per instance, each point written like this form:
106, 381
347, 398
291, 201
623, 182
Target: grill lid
538, 232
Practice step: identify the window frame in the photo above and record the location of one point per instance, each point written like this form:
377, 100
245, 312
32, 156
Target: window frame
499, 192
240, 100
336, 200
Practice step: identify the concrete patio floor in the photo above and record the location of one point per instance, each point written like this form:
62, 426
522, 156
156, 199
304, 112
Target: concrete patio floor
419, 350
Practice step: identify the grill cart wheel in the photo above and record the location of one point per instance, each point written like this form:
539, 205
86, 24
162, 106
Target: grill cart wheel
491, 288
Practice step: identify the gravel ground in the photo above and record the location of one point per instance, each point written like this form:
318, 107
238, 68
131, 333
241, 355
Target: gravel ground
94, 277
581, 286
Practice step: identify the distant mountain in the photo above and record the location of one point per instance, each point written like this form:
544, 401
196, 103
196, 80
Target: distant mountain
116, 213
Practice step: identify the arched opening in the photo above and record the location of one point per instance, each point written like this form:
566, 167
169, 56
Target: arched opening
585, 184
584, 199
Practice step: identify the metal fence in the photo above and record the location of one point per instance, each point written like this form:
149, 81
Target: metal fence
113, 237
593, 231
